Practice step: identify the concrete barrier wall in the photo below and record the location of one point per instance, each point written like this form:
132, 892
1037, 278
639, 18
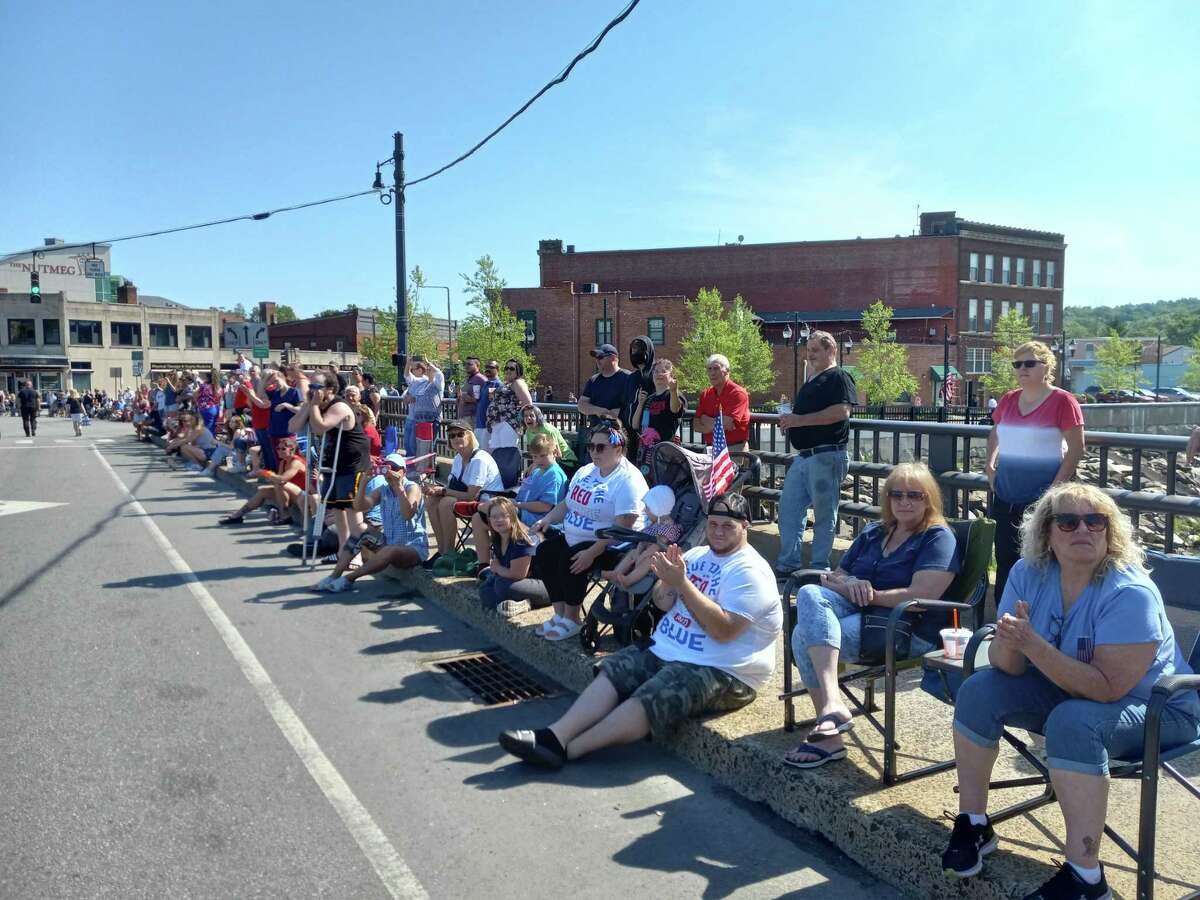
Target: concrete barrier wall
1141, 418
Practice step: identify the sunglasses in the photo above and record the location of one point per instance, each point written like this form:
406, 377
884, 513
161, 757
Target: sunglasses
510, 368
1026, 363
1069, 522
906, 495
598, 448
455, 434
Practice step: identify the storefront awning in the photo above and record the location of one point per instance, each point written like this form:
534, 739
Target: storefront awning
33, 362
936, 372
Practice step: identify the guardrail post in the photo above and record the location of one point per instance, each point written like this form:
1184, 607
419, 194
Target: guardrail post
944, 458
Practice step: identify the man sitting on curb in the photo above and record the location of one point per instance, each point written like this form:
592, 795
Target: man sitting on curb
710, 653
404, 543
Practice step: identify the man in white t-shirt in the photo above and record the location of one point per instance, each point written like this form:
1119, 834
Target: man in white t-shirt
710, 653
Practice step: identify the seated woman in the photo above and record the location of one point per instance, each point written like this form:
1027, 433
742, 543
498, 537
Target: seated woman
193, 442
607, 491
473, 476
909, 554
282, 488
511, 552
232, 429
1081, 639
535, 424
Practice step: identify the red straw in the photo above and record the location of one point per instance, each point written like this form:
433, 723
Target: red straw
954, 614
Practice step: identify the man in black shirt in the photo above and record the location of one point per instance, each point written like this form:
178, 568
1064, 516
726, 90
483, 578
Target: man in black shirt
606, 392
28, 402
818, 428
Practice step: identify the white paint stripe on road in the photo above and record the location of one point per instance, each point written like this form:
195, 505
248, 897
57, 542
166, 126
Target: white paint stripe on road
395, 874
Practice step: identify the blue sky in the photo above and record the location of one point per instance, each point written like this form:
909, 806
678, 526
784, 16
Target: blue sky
775, 120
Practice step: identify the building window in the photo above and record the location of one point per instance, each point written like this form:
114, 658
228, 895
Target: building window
1021, 271
1049, 273
1003, 308
1037, 273
974, 270
528, 318
164, 335
1020, 307
1035, 318
126, 334
973, 314
979, 360
989, 268
105, 290
987, 315
1049, 319
51, 331
604, 331
22, 331
1006, 270
84, 331
198, 337
656, 330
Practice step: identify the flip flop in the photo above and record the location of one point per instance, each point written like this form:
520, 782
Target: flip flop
822, 756
840, 726
566, 629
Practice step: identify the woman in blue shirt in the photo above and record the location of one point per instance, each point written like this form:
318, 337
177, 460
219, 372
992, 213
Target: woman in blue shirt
1081, 639
909, 554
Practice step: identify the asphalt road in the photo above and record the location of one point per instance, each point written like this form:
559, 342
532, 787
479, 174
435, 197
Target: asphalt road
138, 759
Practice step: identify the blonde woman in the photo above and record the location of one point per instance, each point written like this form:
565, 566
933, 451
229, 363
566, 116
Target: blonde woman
908, 554
474, 477
75, 410
1081, 639
1036, 441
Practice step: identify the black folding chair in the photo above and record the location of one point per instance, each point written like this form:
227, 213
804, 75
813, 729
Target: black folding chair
1177, 578
974, 539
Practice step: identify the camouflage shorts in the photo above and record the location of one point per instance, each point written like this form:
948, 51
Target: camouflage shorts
672, 691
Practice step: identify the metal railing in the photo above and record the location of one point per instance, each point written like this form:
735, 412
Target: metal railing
1123, 465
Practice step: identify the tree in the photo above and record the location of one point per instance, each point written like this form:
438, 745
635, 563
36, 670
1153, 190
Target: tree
732, 332
490, 329
1012, 330
284, 313
1191, 377
238, 311
1117, 363
376, 351
883, 374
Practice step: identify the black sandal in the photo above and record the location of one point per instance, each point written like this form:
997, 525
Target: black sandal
840, 727
231, 519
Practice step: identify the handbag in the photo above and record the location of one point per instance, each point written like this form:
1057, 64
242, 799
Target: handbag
873, 643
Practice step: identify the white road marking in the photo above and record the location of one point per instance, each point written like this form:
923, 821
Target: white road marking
395, 874
12, 507
26, 441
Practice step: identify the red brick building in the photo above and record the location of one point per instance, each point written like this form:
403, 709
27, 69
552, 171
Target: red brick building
955, 276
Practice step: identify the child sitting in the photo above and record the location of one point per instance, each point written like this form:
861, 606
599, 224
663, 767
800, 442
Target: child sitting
512, 552
635, 565
227, 442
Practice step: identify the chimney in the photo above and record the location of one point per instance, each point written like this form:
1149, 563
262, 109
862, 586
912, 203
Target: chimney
266, 312
127, 293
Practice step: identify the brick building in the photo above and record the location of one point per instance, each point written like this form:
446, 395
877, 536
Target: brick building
954, 277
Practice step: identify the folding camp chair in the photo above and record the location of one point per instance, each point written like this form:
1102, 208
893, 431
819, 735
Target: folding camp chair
1176, 578
966, 593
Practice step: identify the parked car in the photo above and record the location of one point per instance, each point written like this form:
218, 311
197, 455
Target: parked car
1175, 395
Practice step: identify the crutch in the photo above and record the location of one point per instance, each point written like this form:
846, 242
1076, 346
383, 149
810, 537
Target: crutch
327, 475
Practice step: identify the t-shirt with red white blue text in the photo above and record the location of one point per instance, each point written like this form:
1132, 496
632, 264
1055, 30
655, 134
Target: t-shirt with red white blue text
1032, 446
594, 500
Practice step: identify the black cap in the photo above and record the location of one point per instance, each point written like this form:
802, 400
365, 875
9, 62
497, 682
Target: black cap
732, 506
604, 350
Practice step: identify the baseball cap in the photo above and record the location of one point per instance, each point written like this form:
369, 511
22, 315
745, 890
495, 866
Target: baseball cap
732, 506
604, 350
396, 459
464, 425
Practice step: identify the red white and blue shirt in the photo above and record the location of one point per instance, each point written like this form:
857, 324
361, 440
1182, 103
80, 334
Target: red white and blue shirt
1032, 446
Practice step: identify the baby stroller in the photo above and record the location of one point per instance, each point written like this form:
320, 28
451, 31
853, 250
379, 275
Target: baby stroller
630, 614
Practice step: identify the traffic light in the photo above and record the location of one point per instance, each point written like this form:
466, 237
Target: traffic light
35, 287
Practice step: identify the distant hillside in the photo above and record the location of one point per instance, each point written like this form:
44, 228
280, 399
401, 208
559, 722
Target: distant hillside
1178, 321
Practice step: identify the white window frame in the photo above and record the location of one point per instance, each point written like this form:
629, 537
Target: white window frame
1050, 267
973, 271
1006, 270
1004, 308
1049, 324
1020, 271
1020, 307
987, 314
1037, 273
989, 268
1035, 318
973, 314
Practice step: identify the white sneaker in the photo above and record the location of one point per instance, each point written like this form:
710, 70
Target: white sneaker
339, 584
323, 584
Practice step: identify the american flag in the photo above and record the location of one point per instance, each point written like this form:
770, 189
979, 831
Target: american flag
723, 470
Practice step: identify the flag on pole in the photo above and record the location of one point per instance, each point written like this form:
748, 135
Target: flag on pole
723, 470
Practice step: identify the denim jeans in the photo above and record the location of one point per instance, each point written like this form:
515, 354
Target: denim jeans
1081, 735
410, 436
824, 618
495, 589
812, 481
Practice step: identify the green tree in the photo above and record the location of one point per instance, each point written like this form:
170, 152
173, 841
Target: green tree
238, 311
1117, 363
376, 351
490, 329
284, 313
882, 364
1191, 376
734, 333
1012, 330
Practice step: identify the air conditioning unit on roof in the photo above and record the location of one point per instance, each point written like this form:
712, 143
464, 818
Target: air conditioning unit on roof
591, 288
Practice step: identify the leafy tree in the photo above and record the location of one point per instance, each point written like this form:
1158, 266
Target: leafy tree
238, 311
1012, 330
328, 313
491, 330
1191, 377
1117, 363
733, 332
284, 313
376, 351
883, 374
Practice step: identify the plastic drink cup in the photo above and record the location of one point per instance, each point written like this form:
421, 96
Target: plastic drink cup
954, 642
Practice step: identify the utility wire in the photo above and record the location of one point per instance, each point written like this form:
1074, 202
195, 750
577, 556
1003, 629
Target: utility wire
558, 79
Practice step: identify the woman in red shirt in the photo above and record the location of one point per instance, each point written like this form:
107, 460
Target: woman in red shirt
284, 487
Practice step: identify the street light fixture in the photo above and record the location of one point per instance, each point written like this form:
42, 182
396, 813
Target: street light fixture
802, 331
449, 325
1065, 349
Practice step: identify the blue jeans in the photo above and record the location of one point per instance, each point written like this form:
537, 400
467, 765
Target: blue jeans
1081, 735
812, 481
209, 415
495, 589
410, 436
824, 618
266, 449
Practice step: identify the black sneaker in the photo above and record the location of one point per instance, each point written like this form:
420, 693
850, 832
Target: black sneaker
427, 564
1067, 885
969, 844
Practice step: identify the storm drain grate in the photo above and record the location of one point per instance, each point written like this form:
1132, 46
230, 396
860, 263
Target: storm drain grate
492, 678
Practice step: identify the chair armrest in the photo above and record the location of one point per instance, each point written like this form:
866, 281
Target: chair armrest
983, 634
625, 535
797, 580
1164, 689
1170, 685
933, 604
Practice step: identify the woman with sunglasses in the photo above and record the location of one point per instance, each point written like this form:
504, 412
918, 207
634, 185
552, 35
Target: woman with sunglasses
283, 488
426, 385
1036, 441
1081, 638
908, 554
474, 477
607, 491
504, 418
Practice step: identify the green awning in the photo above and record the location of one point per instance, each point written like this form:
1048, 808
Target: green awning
936, 372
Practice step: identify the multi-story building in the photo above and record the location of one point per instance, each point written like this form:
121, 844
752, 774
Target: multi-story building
949, 281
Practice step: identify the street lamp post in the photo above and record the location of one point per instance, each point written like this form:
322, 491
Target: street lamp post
1066, 349
1158, 369
801, 335
944, 412
449, 326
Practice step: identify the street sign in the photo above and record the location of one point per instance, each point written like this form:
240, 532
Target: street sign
138, 369
93, 268
137, 355
262, 352
244, 335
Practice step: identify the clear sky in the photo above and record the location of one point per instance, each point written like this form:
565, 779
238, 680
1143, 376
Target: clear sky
775, 119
